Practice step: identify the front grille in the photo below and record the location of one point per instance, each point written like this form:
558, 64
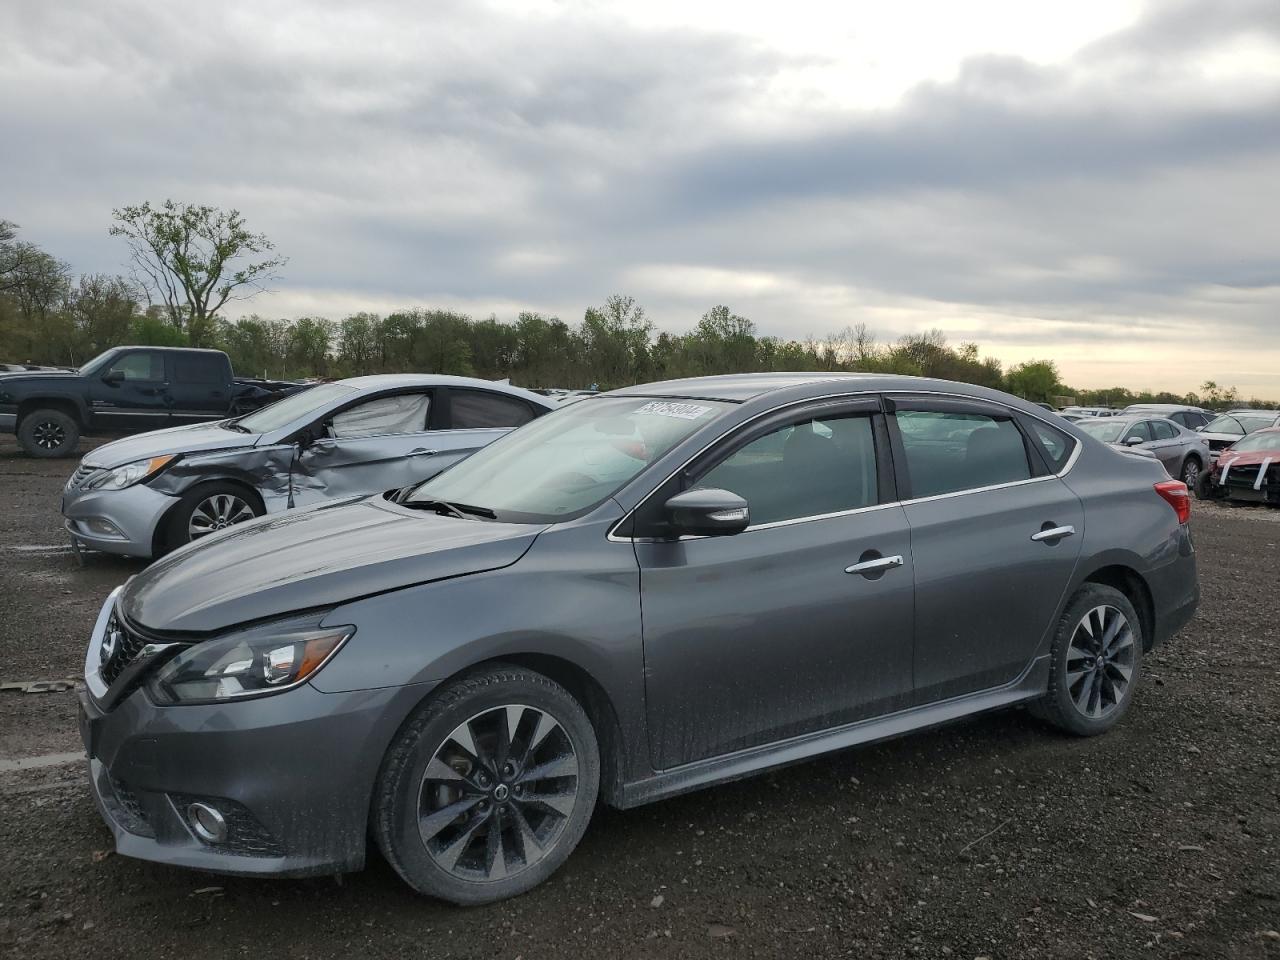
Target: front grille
246, 837
1240, 484
1217, 445
123, 805
82, 474
125, 645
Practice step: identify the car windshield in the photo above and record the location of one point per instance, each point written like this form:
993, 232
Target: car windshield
297, 406
567, 462
1108, 431
97, 363
1270, 440
1237, 424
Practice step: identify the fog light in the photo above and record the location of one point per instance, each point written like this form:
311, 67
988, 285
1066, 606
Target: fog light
209, 825
102, 527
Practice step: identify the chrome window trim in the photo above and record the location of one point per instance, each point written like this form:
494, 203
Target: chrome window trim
1078, 446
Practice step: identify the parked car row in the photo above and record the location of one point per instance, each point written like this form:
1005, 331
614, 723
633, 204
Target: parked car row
638, 594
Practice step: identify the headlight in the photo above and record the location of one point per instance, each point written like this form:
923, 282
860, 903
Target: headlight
260, 661
130, 473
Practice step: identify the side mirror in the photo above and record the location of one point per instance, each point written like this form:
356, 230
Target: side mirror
1132, 441
113, 376
708, 513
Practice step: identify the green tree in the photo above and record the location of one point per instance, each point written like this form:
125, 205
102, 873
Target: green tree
1036, 380
194, 259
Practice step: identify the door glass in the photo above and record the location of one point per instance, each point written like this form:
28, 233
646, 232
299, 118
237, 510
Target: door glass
1140, 430
405, 413
804, 469
194, 368
1163, 430
1056, 445
948, 452
140, 366
478, 408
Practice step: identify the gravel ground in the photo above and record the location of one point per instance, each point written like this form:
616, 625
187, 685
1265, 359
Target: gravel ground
992, 838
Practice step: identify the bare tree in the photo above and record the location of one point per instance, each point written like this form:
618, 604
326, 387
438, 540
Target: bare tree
190, 257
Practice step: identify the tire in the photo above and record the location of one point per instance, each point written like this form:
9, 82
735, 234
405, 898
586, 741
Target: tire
212, 505
1095, 686
1192, 469
49, 433
427, 774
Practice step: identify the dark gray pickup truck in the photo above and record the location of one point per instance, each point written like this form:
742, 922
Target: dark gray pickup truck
127, 390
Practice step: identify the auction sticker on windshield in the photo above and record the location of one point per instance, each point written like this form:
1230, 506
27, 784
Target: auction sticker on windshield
681, 411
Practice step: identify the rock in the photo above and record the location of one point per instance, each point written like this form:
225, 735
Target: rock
719, 931
1144, 917
657, 901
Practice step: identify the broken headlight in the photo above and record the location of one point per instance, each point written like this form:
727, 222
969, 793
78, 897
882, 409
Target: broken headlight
130, 473
262, 660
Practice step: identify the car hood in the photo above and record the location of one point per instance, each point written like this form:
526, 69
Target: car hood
189, 438
1247, 458
313, 558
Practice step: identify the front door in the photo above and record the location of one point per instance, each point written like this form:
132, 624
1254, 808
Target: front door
129, 395
995, 536
769, 633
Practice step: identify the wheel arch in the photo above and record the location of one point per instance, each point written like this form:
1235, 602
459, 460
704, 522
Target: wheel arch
67, 405
160, 536
1133, 585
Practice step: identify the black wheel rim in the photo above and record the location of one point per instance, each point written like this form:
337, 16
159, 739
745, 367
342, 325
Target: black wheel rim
49, 435
496, 796
1100, 662
217, 513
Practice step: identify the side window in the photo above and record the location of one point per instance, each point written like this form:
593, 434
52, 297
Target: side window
473, 409
1141, 430
403, 413
198, 368
1057, 446
804, 469
948, 452
1163, 430
140, 365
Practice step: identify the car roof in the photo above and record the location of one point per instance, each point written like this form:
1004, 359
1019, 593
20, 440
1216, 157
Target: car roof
391, 381
1175, 407
740, 387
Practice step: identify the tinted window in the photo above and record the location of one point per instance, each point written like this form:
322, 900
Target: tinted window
195, 368
1141, 430
139, 366
947, 452
478, 408
804, 469
1057, 446
1163, 430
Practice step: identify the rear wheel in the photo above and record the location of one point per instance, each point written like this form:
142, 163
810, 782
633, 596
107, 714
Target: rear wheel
1094, 662
209, 508
1191, 470
488, 788
49, 433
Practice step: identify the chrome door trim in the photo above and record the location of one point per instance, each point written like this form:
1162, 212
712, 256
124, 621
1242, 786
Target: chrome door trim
871, 566
1054, 533
1077, 447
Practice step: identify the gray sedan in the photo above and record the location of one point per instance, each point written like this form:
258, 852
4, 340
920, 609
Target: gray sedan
147, 494
1184, 453
648, 592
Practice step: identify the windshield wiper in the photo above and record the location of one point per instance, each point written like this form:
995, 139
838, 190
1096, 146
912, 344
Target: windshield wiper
445, 507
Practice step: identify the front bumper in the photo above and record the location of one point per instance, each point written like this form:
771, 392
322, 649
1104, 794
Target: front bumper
116, 521
292, 774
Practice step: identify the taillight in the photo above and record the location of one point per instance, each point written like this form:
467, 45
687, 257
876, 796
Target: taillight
1175, 493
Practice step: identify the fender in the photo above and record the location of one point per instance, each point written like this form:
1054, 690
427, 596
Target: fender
44, 396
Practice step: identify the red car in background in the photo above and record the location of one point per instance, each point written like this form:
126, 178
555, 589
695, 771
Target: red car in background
1248, 470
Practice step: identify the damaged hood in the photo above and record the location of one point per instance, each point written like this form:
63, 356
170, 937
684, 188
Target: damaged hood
306, 559
189, 438
1247, 458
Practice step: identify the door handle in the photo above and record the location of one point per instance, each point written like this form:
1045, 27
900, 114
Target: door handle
871, 566
423, 453
1053, 533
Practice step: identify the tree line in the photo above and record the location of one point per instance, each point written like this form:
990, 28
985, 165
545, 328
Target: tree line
49, 315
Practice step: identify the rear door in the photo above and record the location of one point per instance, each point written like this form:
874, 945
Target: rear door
1167, 444
198, 387
994, 540
129, 395
769, 633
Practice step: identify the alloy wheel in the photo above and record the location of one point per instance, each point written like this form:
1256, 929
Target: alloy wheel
497, 793
49, 435
1191, 474
217, 513
1100, 662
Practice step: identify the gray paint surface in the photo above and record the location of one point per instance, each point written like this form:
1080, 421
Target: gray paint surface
709, 658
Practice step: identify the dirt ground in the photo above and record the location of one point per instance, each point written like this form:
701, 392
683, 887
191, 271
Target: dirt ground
992, 838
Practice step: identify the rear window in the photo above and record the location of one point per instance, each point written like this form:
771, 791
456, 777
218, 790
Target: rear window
476, 409
1055, 444
950, 452
1164, 430
189, 368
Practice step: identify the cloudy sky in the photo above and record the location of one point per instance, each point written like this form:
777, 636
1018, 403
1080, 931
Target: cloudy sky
1096, 182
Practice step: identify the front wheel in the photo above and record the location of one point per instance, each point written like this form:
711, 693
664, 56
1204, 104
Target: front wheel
208, 509
488, 788
1095, 661
48, 433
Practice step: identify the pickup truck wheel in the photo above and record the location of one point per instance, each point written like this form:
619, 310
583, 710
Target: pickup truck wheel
49, 433
208, 509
